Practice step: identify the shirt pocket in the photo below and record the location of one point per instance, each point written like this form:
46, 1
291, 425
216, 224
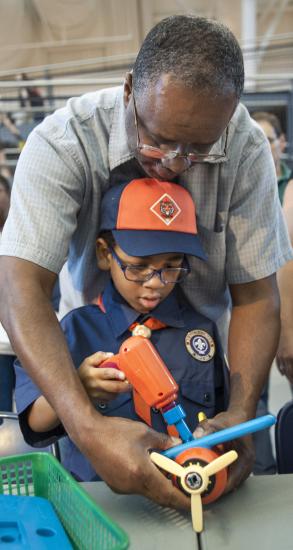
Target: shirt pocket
195, 398
206, 284
121, 406
214, 241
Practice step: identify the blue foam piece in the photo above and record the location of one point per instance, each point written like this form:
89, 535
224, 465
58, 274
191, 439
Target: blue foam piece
175, 416
228, 434
30, 523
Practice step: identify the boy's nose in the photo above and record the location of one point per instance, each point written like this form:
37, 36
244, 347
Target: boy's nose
154, 282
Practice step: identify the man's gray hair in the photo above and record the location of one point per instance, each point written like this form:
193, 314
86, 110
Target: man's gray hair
200, 52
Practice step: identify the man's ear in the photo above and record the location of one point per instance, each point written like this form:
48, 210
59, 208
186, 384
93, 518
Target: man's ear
127, 88
103, 255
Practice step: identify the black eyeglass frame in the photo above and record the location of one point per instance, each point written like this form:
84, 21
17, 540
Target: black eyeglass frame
147, 150
184, 270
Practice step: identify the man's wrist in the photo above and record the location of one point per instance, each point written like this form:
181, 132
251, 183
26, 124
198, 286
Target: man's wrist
79, 427
241, 413
243, 397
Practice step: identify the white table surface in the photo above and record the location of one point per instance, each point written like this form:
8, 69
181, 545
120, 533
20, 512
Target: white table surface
148, 525
257, 516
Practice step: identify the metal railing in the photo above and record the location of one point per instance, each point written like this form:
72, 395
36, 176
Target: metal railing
55, 92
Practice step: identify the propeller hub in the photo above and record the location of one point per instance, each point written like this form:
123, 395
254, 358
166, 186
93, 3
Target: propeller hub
193, 480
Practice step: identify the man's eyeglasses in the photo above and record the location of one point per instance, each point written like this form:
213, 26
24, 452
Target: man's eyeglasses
141, 273
157, 153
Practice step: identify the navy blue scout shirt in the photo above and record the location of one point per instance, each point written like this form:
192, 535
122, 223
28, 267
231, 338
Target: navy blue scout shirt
189, 346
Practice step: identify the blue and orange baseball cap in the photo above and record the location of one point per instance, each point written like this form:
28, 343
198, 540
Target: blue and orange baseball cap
147, 217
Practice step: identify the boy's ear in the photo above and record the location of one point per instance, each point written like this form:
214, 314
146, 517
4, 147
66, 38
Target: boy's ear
103, 254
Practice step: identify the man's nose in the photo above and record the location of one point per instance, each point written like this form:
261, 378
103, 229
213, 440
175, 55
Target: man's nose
177, 164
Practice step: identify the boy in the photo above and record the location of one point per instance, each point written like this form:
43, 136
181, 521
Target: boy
148, 228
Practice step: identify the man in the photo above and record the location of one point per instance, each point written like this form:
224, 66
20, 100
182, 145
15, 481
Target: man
176, 117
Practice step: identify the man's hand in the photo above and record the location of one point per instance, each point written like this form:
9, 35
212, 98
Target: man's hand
242, 467
123, 460
102, 383
284, 357
284, 360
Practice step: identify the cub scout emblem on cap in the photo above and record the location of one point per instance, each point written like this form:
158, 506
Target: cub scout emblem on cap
166, 209
200, 345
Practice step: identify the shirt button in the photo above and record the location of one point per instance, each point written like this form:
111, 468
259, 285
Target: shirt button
155, 410
207, 397
102, 405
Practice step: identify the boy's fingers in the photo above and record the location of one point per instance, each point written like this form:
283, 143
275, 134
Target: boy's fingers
98, 357
112, 386
112, 374
107, 387
104, 396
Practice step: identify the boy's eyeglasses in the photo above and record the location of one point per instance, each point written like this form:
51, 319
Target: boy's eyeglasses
157, 153
141, 273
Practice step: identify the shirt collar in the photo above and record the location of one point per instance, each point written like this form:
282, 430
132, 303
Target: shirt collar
121, 315
119, 151
218, 148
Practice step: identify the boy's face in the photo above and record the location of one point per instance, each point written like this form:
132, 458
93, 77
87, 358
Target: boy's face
142, 297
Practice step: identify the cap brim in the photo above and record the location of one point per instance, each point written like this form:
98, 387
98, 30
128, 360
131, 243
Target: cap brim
149, 243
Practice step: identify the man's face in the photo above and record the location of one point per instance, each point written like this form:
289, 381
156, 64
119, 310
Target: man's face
274, 140
174, 118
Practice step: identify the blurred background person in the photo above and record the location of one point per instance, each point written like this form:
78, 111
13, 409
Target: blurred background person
7, 377
30, 96
271, 126
4, 169
277, 139
7, 123
4, 201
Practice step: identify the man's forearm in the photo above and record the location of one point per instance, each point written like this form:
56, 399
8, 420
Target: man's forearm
38, 341
285, 284
285, 350
253, 340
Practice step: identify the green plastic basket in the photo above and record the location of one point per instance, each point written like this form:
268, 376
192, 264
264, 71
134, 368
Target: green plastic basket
40, 474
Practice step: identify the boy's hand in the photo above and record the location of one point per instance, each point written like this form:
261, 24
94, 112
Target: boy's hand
102, 383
